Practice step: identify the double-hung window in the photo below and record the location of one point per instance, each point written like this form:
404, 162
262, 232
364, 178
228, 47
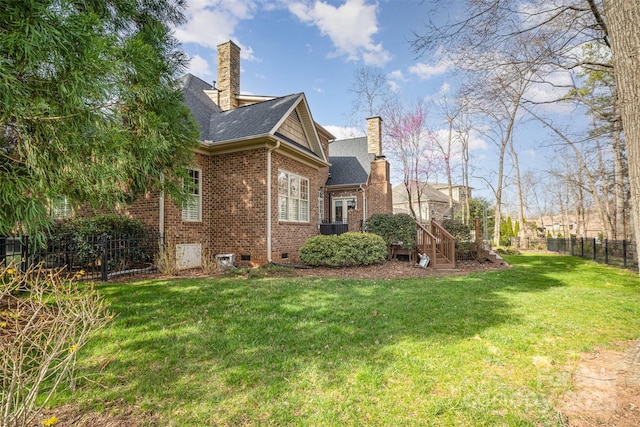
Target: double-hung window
60, 208
293, 197
192, 207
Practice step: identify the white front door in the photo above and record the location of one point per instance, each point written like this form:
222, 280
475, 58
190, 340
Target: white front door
340, 209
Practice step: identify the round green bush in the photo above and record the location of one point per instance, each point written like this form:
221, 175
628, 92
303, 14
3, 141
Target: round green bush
397, 229
459, 230
344, 250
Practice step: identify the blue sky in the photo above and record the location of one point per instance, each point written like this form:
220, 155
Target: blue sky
315, 46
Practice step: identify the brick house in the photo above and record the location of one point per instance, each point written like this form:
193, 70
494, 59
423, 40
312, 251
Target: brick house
260, 184
434, 200
358, 184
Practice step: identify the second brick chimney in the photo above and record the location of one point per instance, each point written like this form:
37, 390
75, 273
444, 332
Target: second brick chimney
228, 75
374, 135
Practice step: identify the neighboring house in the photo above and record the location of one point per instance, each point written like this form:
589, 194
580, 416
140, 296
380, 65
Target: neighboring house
458, 192
433, 204
358, 184
260, 186
588, 226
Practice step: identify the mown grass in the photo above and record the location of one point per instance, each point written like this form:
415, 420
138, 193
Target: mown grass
483, 349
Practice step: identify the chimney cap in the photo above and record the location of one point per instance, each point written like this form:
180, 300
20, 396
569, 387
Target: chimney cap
228, 42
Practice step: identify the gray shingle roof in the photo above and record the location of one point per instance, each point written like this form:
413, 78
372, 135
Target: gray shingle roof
258, 119
428, 194
200, 105
350, 162
250, 120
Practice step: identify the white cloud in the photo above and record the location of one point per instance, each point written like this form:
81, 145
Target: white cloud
345, 132
211, 22
396, 75
474, 140
427, 71
350, 27
553, 86
394, 86
394, 79
198, 66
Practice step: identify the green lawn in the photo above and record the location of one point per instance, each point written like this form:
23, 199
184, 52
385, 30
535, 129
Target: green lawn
483, 349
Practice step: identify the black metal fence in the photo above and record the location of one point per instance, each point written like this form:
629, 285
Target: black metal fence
96, 258
620, 253
333, 228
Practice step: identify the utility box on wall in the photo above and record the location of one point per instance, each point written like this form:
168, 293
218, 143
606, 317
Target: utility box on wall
226, 261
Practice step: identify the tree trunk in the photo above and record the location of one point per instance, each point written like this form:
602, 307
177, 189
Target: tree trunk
516, 164
623, 22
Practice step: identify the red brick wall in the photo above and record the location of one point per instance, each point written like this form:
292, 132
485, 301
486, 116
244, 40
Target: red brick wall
288, 237
379, 195
178, 231
239, 204
234, 208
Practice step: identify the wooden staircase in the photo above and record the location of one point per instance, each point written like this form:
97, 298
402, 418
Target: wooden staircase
436, 243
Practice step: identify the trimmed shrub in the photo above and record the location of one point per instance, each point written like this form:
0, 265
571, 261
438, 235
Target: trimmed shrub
344, 250
319, 250
398, 229
457, 229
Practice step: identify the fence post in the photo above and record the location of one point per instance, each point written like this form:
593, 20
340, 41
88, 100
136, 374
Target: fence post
624, 253
24, 253
606, 251
571, 245
105, 257
594, 249
3, 251
582, 247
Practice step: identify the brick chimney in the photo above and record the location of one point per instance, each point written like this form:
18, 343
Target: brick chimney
228, 75
379, 196
374, 135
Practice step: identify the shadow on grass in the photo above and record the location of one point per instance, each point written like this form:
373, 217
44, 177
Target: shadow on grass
181, 340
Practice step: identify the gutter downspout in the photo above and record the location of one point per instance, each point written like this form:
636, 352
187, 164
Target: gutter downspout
364, 207
269, 200
161, 210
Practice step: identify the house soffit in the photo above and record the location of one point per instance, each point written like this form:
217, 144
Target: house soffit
263, 142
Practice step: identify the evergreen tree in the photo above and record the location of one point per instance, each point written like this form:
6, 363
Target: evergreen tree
89, 109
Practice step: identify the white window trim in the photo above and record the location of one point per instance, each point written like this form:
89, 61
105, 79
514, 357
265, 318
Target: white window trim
320, 206
285, 214
61, 208
192, 211
345, 207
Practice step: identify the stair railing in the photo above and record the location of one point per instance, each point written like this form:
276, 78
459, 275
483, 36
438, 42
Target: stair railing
445, 243
426, 243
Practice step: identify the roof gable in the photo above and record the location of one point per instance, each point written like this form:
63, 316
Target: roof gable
248, 121
350, 162
287, 118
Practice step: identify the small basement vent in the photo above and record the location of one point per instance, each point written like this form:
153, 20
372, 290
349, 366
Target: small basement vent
226, 261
